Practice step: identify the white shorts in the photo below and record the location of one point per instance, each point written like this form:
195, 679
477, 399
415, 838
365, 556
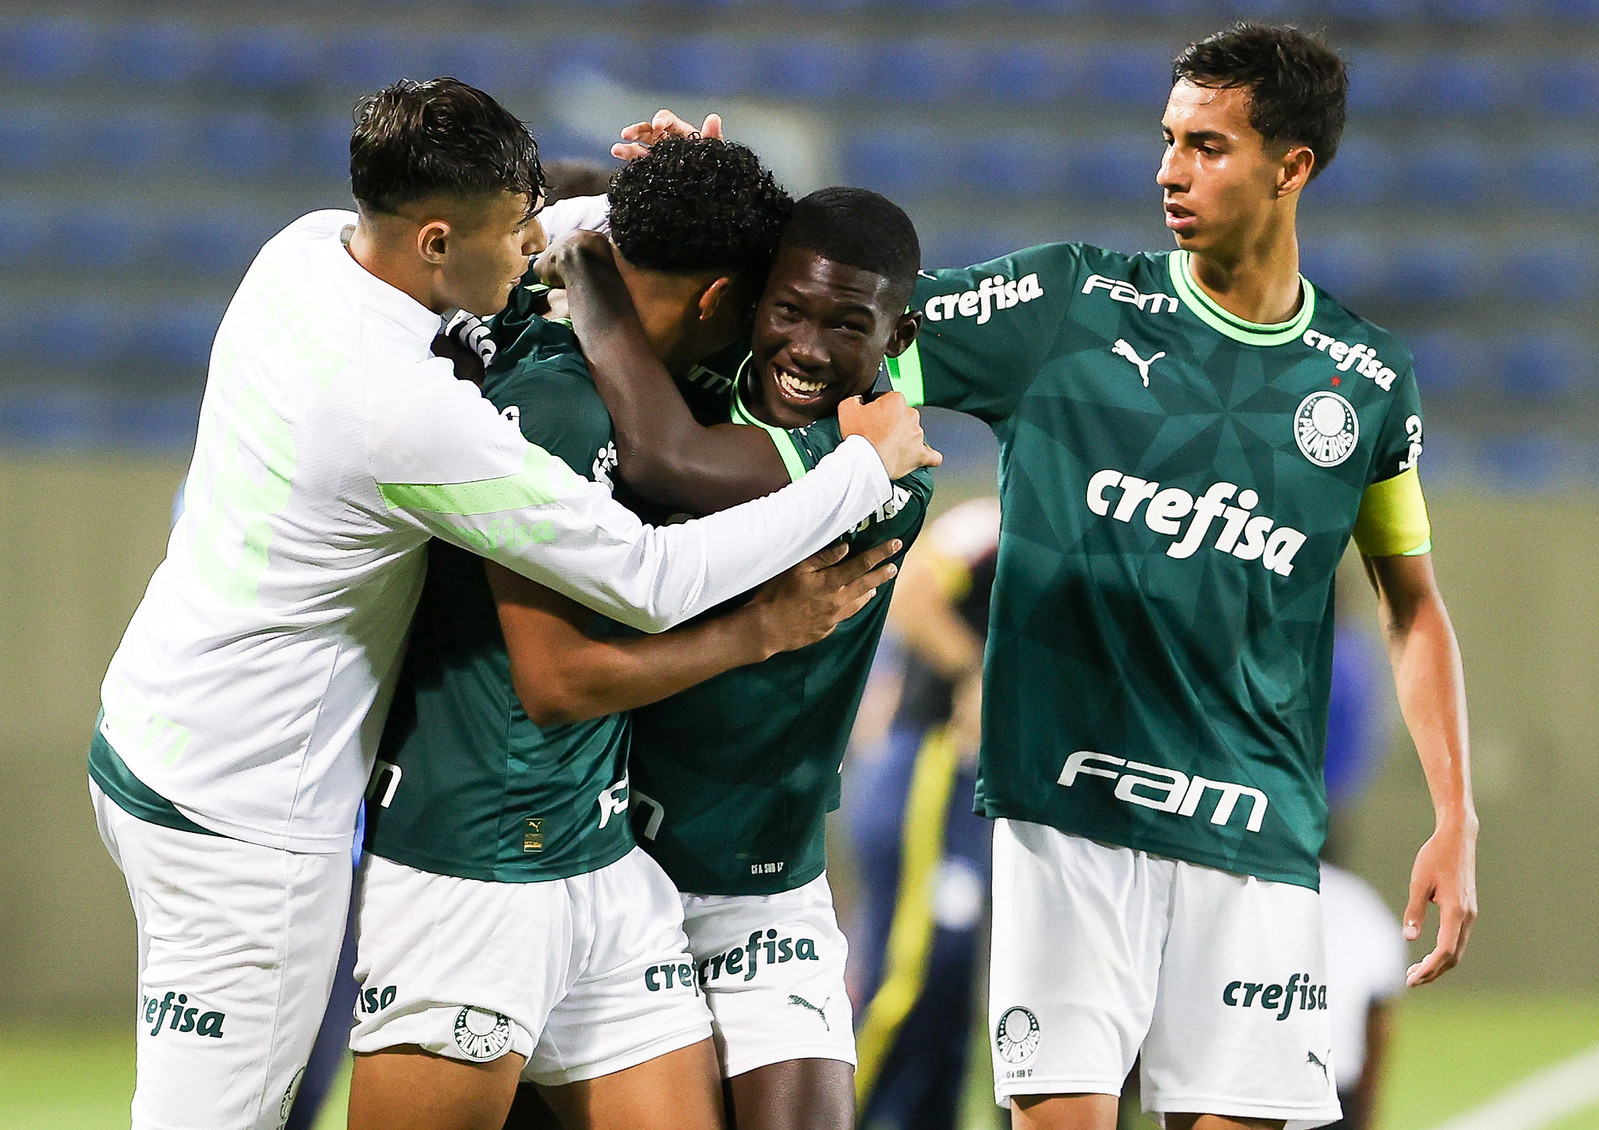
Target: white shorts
772, 967
238, 944
1100, 952
581, 976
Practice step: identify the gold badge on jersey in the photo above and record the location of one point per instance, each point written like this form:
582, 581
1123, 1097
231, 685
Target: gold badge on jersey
533, 834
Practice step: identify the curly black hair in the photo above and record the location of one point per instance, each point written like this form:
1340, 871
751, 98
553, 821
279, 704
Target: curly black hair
1297, 85
414, 139
693, 205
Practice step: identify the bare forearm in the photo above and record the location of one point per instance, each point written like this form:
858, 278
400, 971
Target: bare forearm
929, 626
614, 675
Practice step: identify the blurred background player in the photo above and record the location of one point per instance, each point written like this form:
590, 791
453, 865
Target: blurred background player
921, 851
732, 780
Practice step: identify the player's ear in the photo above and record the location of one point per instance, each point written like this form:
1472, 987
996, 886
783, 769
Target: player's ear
904, 332
714, 295
432, 241
1294, 169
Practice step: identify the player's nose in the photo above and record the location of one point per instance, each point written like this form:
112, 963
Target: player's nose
534, 240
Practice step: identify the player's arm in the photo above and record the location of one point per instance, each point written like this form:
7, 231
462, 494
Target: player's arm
1362, 1102
1395, 539
663, 453
563, 675
445, 461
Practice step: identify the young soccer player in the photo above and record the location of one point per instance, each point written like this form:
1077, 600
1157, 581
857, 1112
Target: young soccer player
242, 708
732, 779
1188, 440
509, 926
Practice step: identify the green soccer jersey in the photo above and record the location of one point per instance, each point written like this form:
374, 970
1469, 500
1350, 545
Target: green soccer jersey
1178, 487
733, 779
467, 784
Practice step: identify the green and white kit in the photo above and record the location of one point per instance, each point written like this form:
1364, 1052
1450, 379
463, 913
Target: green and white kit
1178, 487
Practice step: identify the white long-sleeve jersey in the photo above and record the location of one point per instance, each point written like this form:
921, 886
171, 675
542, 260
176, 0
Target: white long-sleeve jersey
252, 683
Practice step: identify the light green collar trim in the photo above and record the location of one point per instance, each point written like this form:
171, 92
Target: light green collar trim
1204, 308
786, 447
905, 375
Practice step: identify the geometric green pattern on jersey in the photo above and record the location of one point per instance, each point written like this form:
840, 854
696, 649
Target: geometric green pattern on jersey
480, 791
1177, 489
733, 778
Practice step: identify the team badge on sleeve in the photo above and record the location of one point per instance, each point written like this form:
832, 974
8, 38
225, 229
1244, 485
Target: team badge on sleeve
480, 1034
1016, 1036
1326, 428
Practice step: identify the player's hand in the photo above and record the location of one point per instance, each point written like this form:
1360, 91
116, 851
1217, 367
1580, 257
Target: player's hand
893, 427
568, 257
638, 137
806, 603
1445, 873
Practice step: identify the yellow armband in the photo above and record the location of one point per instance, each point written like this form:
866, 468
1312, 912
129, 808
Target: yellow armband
1393, 518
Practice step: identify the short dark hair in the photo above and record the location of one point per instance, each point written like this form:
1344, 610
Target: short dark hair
697, 204
859, 228
1297, 85
414, 140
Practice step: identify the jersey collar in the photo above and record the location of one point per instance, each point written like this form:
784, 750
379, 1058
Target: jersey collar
1206, 309
780, 438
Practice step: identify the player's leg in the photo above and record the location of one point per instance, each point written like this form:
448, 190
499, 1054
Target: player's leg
456, 976
406, 1088
1074, 963
237, 949
794, 1094
1240, 1035
627, 1047
772, 968
679, 1090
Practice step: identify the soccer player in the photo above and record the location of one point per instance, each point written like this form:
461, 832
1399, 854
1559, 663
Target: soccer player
1188, 440
241, 711
732, 780
509, 925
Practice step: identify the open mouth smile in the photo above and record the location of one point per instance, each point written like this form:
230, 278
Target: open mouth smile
800, 390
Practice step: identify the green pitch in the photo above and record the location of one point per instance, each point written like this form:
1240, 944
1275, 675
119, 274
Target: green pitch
1451, 1053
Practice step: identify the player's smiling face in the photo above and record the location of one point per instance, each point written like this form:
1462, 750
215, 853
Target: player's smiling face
1220, 180
821, 331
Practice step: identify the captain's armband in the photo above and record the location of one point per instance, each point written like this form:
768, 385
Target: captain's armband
1393, 518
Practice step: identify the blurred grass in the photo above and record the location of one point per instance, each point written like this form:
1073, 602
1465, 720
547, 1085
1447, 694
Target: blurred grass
1451, 1053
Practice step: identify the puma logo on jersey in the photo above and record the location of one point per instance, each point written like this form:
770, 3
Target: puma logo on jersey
612, 801
1245, 535
1360, 357
1164, 790
996, 293
794, 998
1122, 291
1312, 1058
1122, 349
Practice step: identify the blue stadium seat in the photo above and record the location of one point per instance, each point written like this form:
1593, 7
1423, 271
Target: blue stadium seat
898, 162
143, 141
174, 340
280, 58
1374, 11
1352, 267
963, 248
245, 144
926, 71
1551, 272
1560, 177
1545, 366
1472, 11
1028, 74
51, 50
1459, 171
1114, 170
1380, 82
1435, 271
1448, 362
33, 140
101, 237
216, 243
1015, 163
1567, 87
379, 57
1523, 462
707, 65
81, 336
167, 52
1468, 86
502, 64
814, 68
1573, 11
1132, 77
323, 148
1362, 173
24, 234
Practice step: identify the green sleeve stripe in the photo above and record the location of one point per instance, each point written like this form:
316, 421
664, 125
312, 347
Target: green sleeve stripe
905, 375
787, 449
531, 486
1424, 547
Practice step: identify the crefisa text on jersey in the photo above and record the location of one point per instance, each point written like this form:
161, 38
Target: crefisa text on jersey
995, 293
1247, 536
1360, 357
